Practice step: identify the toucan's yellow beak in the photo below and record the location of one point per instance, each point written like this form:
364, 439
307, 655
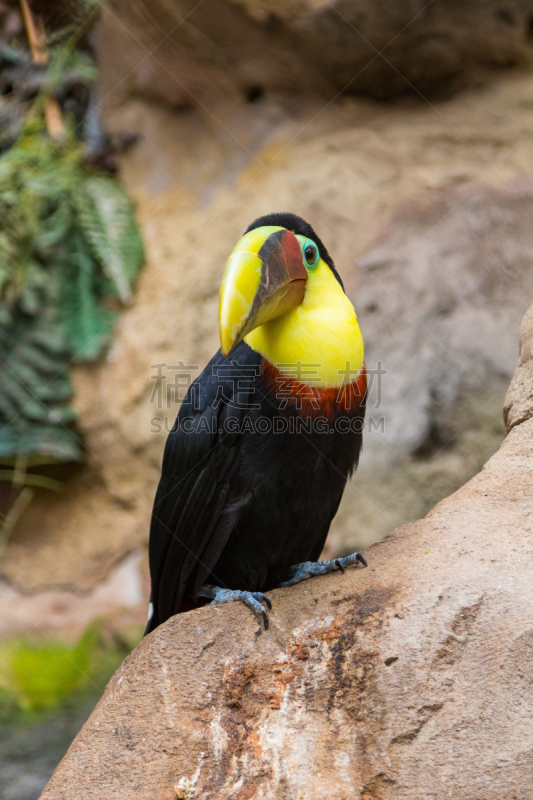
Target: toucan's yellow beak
264, 279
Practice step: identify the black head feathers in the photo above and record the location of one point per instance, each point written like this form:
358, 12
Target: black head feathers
296, 225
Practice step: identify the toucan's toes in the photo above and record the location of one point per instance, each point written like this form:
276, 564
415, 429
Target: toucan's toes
348, 561
253, 600
309, 568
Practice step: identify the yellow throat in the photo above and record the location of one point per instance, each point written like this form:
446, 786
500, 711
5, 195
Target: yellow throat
319, 342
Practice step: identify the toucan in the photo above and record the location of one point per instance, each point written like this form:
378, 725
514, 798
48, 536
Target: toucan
267, 436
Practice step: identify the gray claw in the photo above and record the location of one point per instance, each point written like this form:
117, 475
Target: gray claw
300, 572
253, 600
352, 559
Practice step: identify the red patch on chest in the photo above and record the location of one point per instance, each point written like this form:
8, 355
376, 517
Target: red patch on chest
312, 400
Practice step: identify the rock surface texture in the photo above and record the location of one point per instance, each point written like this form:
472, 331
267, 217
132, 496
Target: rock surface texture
228, 49
410, 679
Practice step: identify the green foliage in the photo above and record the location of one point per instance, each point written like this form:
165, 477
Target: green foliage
70, 250
36, 676
40, 676
35, 388
107, 222
14, 469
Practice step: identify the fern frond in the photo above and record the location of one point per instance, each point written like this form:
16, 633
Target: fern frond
35, 388
107, 220
68, 242
86, 321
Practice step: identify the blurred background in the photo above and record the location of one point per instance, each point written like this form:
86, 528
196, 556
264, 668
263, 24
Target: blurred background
137, 142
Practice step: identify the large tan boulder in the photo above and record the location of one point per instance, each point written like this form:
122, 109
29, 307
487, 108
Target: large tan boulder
411, 679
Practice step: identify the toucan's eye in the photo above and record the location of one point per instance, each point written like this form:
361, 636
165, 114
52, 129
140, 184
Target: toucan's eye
310, 252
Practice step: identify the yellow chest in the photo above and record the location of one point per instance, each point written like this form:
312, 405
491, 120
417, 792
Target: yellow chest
318, 343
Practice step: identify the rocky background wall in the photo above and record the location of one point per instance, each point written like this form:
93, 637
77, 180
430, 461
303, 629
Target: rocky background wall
403, 132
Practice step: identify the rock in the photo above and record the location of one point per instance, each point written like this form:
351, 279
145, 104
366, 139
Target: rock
410, 679
206, 54
519, 399
439, 297
66, 615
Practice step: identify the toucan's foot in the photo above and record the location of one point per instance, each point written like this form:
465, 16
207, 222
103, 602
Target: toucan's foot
253, 600
309, 568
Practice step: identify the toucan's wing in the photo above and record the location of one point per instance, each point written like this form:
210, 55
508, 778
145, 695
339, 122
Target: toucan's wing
201, 493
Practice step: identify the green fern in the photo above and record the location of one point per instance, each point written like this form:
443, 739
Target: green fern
106, 219
86, 320
35, 388
69, 247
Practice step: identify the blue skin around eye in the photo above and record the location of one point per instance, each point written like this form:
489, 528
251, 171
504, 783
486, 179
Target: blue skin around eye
309, 243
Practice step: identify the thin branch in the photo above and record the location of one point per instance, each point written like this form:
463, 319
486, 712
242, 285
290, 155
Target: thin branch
13, 516
36, 35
